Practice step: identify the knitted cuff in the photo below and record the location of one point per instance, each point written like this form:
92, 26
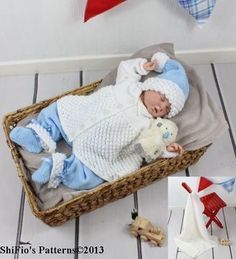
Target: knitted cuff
161, 59
47, 143
57, 168
139, 67
167, 154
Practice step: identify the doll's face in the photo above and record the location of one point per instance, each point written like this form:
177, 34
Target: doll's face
156, 103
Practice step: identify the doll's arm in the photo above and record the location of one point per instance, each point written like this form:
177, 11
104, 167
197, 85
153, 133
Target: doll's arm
131, 70
173, 150
165, 64
161, 59
175, 147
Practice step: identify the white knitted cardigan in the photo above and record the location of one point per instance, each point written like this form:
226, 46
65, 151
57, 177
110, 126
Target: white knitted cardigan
104, 125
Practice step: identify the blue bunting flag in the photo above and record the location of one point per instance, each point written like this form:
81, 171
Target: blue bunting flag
228, 185
201, 10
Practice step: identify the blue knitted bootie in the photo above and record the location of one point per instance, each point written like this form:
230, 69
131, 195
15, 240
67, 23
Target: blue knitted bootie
27, 139
42, 174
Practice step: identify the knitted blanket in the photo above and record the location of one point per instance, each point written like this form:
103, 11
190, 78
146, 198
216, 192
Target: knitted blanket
194, 238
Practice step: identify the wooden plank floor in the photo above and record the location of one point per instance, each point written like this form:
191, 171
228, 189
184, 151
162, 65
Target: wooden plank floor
106, 226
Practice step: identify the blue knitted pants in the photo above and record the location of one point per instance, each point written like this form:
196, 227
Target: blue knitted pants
75, 174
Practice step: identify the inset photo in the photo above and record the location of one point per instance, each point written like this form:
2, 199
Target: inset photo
202, 213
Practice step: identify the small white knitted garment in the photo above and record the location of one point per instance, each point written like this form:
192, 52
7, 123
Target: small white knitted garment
103, 129
104, 124
108, 149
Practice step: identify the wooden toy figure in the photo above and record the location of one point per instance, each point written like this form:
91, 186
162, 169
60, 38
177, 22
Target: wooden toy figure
224, 242
147, 231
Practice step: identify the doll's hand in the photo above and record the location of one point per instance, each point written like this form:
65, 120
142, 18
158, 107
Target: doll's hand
150, 65
174, 147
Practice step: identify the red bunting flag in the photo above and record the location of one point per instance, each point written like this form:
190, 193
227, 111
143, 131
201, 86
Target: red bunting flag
95, 7
204, 183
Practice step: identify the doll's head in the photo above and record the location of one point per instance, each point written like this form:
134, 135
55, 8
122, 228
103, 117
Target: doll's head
165, 94
156, 103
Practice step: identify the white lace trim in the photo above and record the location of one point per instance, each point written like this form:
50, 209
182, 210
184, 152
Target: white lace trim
47, 143
57, 168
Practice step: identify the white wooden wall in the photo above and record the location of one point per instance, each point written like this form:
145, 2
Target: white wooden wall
42, 29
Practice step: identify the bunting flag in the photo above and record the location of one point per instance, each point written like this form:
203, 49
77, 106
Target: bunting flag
201, 10
94, 7
204, 183
228, 185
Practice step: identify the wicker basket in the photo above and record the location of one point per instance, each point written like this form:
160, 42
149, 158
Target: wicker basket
103, 194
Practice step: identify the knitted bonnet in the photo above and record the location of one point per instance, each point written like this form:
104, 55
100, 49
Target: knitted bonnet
172, 82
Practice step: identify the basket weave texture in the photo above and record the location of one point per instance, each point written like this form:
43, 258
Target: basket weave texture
103, 194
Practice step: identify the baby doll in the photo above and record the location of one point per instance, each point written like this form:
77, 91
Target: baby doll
102, 127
